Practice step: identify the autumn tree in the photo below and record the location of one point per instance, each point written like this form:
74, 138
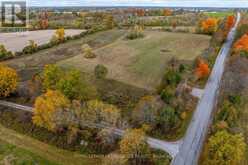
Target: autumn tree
209, 25
202, 69
140, 12
229, 22
48, 110
224, 148
100, 113
60, 34
134, 145
8, 80
167, 12
241, 44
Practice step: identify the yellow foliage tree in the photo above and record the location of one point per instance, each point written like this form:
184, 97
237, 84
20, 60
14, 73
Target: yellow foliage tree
225, 149
8, 80
88, 51
134, 145
98, 112
60, 34
48, 110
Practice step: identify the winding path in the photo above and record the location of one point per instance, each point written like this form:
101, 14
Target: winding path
190, 149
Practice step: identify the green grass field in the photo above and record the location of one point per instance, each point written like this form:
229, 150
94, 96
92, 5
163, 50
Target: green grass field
24, 150
11, 154
142, 62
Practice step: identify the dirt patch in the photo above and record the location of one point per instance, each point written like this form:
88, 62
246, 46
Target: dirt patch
18, 40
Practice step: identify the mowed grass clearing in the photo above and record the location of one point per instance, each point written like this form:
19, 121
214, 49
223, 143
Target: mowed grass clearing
23, 148
142, 62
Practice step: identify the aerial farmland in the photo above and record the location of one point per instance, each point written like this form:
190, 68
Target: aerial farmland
124, 86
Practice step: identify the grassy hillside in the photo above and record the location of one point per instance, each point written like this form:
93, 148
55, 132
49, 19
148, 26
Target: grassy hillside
28, 150
141, 62
11, 154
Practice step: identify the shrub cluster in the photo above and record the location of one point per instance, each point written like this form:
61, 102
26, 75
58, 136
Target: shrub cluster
70, 83
4, 54
87, 51
171, 79
31, 48
101, 71
137, 32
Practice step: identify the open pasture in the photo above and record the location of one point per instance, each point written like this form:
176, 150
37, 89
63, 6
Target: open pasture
142, 62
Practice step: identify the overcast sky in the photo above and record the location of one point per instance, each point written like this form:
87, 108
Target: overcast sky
172, 3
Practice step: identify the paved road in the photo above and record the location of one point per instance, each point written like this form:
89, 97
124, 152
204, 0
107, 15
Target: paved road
169, 147
18, 40
190, 149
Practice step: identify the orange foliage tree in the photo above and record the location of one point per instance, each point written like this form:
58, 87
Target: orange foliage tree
140, 12
202, 69
167, 12
241, 44
209, 25
174, 25
229, 22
